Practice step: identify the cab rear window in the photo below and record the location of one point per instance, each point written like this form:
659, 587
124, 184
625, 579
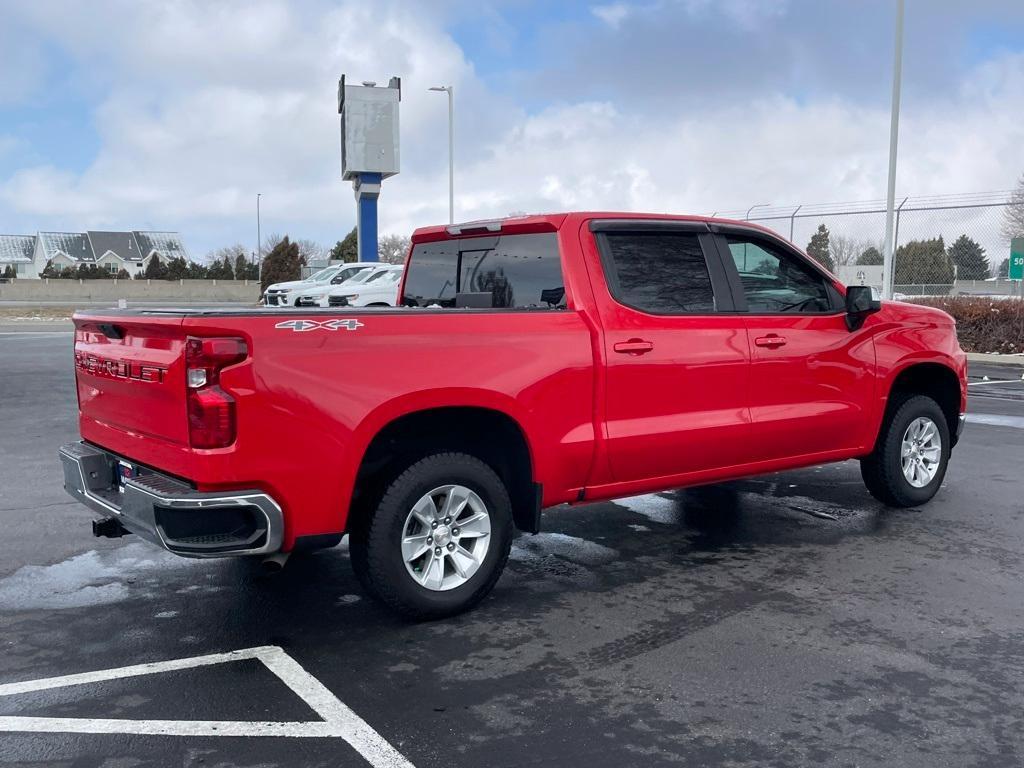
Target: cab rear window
502, 272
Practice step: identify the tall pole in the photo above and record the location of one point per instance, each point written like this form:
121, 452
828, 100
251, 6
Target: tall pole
894, 133
451, 148
259, 240
451, 155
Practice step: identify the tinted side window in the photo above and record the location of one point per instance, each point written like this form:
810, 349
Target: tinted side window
774, 281
519, 271
659, 272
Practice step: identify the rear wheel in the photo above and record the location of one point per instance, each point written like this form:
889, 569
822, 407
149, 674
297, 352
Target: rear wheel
910, 458
438, 540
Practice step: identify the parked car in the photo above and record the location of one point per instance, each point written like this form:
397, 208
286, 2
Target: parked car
316, 295
379, 290
284, 294
537, 361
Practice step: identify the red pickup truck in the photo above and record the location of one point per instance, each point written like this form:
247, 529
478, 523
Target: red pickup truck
534, 361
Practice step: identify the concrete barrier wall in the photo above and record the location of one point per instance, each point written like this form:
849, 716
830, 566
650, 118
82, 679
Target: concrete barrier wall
112, 290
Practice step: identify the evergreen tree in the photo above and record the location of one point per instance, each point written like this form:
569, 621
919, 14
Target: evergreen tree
818, 250
346, 250
1003, 272
282, 264
92, 272
155, 269
10, 272
177, 268
969, 258
122, 274
197, 271
871, 257
244, 269
922, 262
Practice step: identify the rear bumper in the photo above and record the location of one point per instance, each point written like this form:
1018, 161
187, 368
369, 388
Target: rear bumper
170, 513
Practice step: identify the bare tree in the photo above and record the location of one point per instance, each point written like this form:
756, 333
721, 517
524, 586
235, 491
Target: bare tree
270, 242
844, 250
229, 252
392, 249
1013, 217
311, 251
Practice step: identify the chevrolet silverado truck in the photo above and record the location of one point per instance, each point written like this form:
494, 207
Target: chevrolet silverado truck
533, 362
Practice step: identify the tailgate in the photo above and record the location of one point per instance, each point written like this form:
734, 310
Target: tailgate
130, 375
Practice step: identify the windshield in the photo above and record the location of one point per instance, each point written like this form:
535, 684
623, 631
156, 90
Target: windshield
381, 276
323, 275
365, 276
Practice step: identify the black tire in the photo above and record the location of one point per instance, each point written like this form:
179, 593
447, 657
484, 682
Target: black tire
882, 470
375, 548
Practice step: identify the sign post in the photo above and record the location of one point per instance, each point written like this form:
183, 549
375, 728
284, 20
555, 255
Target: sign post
369, 150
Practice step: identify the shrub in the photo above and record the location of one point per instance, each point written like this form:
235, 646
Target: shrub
984, 324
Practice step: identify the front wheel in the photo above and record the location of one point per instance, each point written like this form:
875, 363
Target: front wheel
910, 458
439, 539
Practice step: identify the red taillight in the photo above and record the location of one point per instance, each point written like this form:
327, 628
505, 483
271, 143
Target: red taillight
211, 410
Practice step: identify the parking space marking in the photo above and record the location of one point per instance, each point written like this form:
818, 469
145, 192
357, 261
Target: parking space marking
338, 720
997, 381
996, 420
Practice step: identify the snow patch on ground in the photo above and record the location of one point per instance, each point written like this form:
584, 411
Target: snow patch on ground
653, 507
92, 578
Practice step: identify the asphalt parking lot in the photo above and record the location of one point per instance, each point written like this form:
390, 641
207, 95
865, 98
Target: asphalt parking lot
784, 620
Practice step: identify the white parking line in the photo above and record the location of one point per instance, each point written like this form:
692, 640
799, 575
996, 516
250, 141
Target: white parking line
37, 333
996, 420
338, 720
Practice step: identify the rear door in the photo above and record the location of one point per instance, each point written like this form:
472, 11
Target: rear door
811, 378
677, 355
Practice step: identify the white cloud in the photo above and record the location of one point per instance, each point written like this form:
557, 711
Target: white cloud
613, 14
190, 133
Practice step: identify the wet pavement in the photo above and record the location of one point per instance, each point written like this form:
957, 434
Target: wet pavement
784, 620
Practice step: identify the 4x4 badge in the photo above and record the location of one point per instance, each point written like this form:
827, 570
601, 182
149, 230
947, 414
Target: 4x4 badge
349, 324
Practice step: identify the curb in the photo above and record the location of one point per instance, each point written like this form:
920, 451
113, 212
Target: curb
1013, 361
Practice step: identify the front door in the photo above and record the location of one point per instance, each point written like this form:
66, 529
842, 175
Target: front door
677, 359
811, 379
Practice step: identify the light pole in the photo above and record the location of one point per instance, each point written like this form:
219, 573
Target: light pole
451, 148
894, 134
259, 242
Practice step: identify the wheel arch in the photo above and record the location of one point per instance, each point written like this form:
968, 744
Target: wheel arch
482, 426
934, 378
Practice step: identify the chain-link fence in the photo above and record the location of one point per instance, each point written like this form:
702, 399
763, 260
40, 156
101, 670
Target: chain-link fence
945, 245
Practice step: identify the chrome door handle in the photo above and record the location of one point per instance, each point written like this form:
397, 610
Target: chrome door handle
633, 347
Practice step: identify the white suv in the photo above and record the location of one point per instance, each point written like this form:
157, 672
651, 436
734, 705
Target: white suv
375, 287
286, 294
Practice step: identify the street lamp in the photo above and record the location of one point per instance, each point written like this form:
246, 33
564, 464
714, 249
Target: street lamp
259, 242
894, 135
451, 148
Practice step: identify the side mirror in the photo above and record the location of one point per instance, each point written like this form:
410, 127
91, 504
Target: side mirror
860, 303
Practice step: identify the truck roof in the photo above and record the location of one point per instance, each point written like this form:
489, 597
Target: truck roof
551, 222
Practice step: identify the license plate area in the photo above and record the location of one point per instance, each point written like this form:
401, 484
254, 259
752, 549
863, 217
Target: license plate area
123, 471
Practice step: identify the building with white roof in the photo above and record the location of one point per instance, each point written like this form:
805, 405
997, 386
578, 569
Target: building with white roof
111, 251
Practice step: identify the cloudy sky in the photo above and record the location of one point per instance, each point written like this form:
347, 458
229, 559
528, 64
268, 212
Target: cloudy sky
174, 114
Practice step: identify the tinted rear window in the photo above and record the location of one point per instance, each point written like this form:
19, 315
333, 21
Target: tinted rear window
662, 273
519, 271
